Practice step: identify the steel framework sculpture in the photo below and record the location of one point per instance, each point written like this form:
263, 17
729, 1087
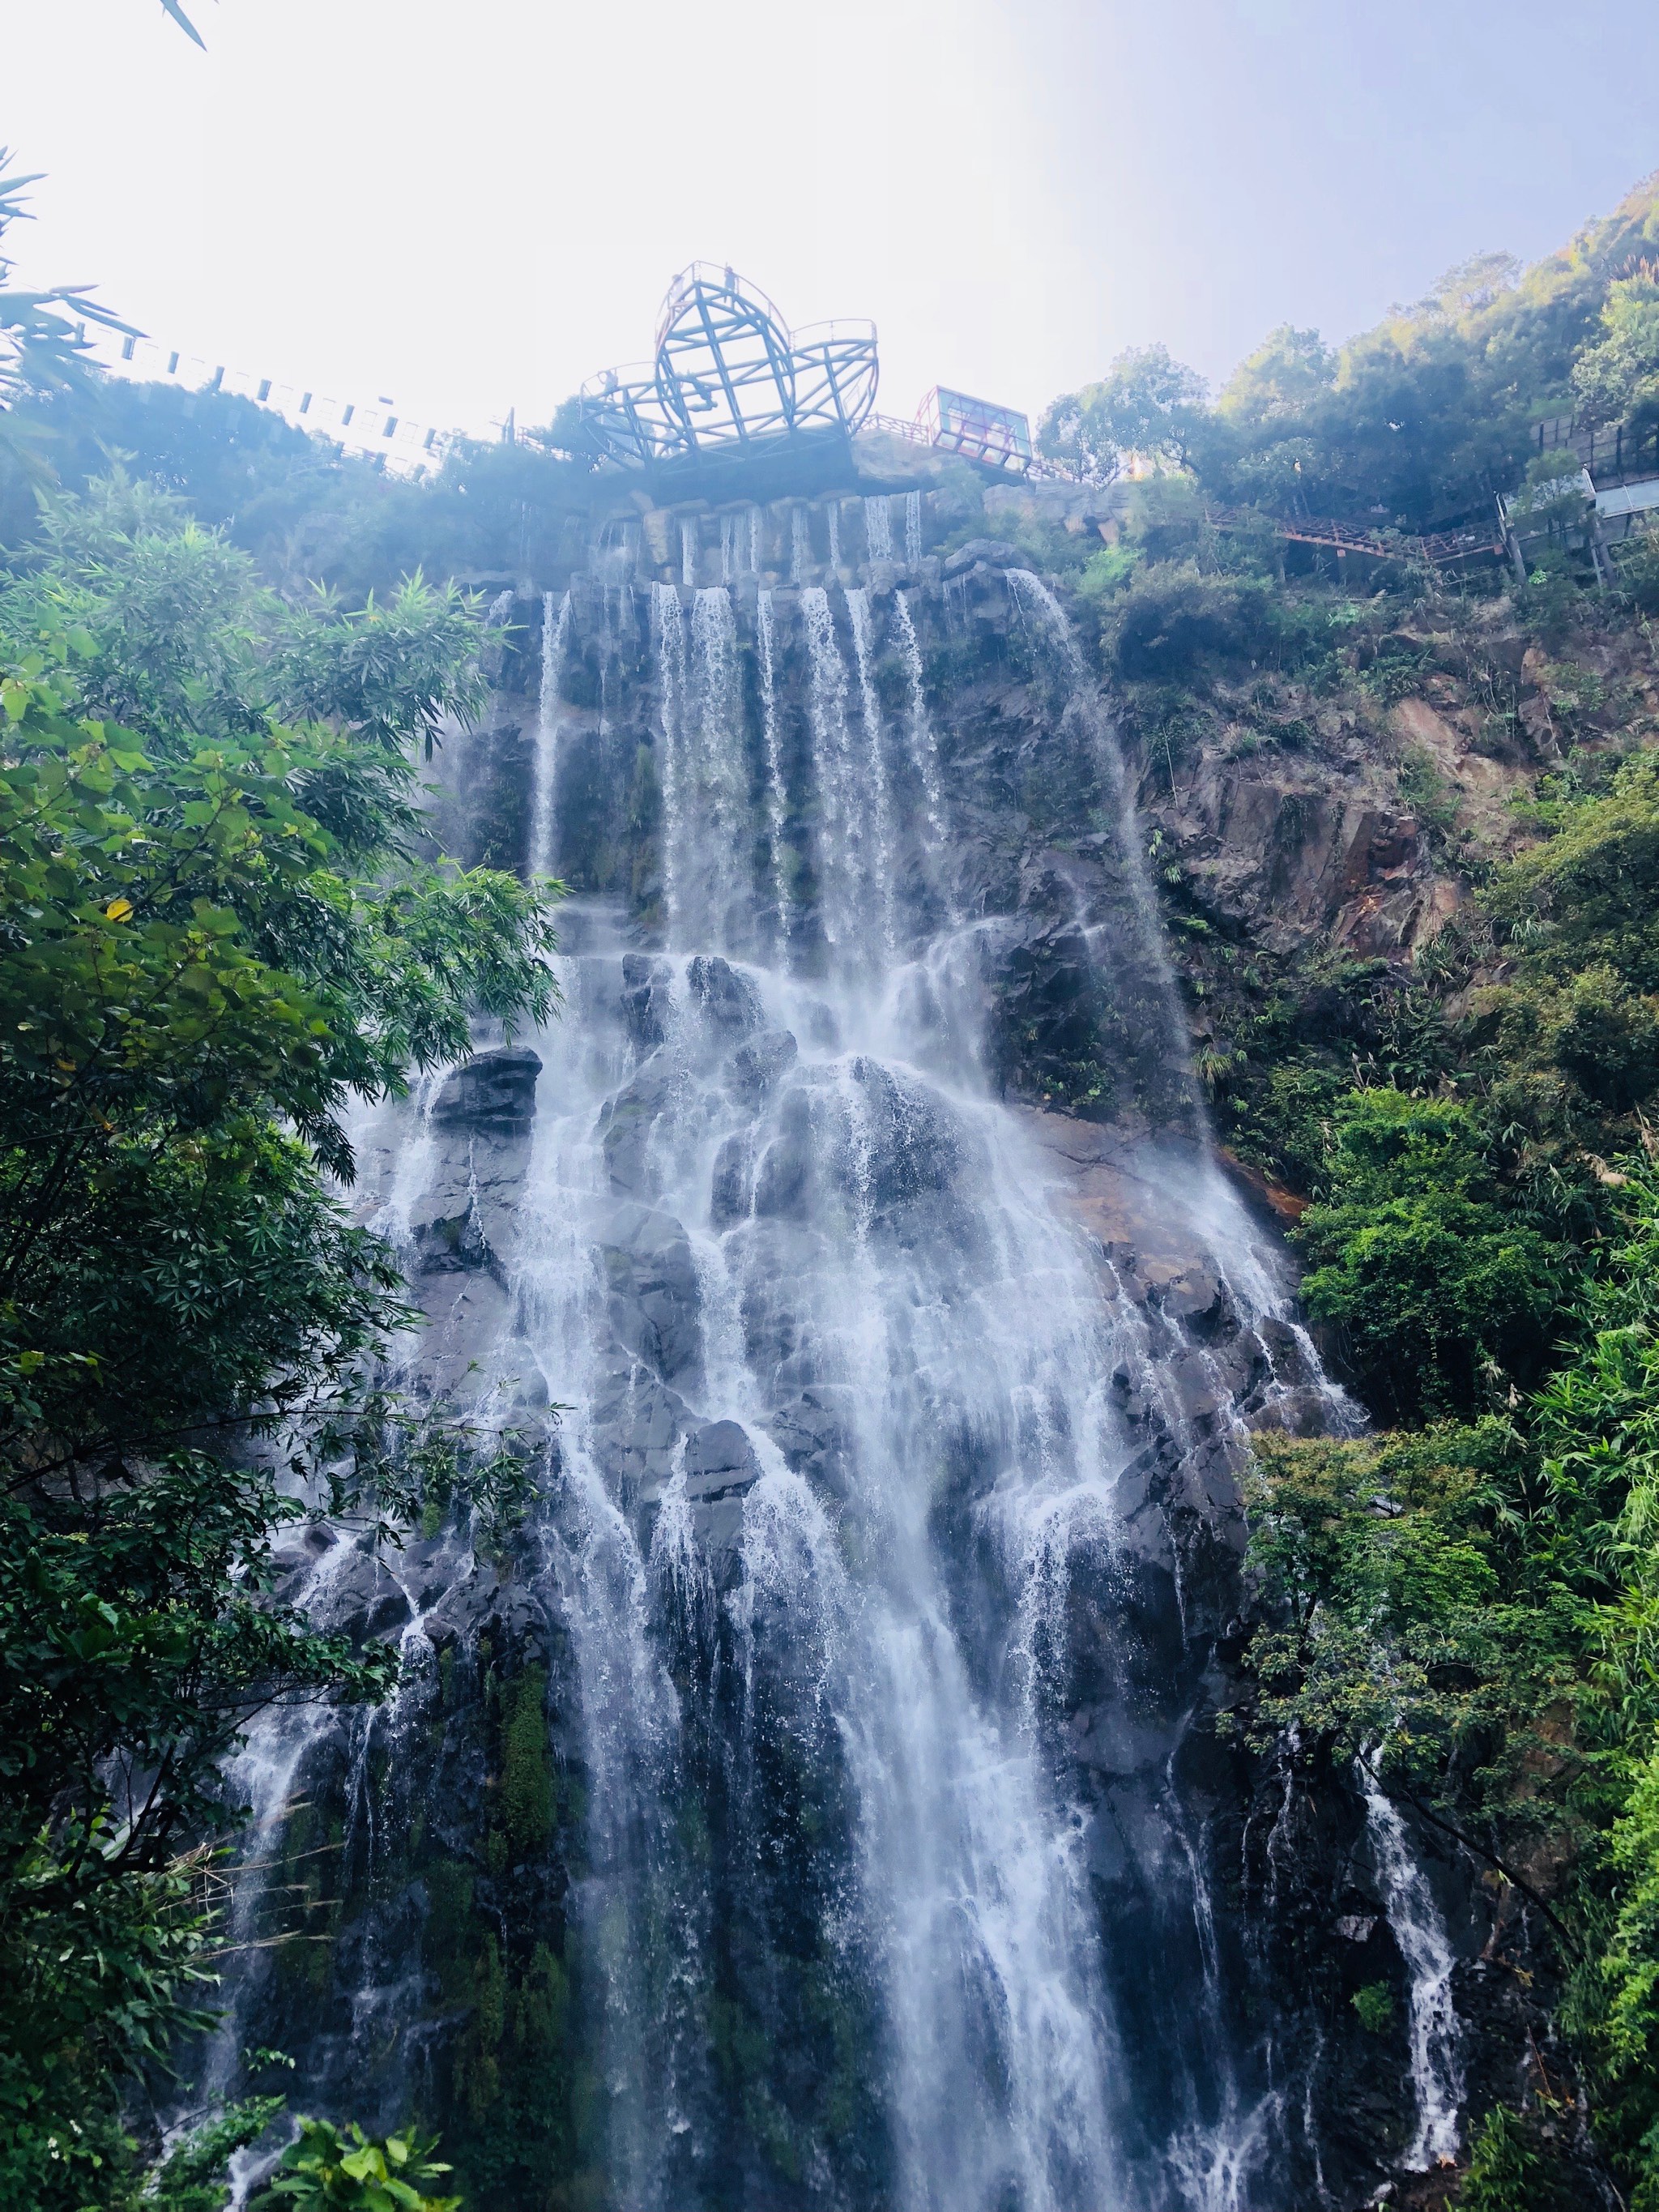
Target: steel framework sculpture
729, 374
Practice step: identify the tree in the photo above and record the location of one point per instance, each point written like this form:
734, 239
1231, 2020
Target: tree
42, 350
213, 932
1285, 373
1618, 380
1146, 404
1475, 1610
1437, 1292
1471, 285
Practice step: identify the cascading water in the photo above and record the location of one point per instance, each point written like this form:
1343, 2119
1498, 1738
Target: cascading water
1420, 1932
556, 637
777, 803
878, 528
887, 1884
922, 740
873, 766
875, 1449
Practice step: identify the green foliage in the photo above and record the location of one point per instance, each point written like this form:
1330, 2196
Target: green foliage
1638, 571
1409, 425
511, 2124
1505, 2172
527, 1787
1107, 572
327, 2170
1375, 2005
1475, 1610
1174, 618
303, 508
1424, 787
1288, 371
1617, 381
1588, 895
191, 2177
42, 352
212, 936
1438, 1292
1146, 403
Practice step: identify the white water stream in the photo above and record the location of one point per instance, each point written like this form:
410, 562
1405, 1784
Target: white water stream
839, 1500
867, 1231
1420, 1930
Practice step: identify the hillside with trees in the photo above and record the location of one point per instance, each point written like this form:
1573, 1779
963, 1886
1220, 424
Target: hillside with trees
1405, 825
1403, 821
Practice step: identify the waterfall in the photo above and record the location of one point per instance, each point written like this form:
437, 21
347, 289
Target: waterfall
874, 765
1417, 1928
841, 779
688, 551
833, 513
1145, 983
728, 548
922, 742
878, 529
913, 528
865, 1640
668, 643
756, 540
555, 639
712, 795
776, 799
412, 1164
800, 546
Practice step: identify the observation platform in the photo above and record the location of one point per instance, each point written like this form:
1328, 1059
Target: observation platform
733, 403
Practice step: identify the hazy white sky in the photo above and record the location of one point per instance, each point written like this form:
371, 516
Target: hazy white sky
468, 204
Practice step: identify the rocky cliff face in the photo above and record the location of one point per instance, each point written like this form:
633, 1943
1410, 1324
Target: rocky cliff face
819, 1800
1359, 812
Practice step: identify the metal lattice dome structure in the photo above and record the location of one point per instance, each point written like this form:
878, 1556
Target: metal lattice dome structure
728, 375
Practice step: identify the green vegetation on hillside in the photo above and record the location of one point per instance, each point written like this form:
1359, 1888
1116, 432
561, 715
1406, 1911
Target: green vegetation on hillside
215, 933
216, 929
1456, 1095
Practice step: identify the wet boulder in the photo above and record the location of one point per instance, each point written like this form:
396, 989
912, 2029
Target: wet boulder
493, 1090
990, 552
720, 1468
646, 984
726, 999
652, 1284
813, 1434
626, 1122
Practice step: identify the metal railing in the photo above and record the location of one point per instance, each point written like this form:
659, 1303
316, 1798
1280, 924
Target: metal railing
1614, 452
1435, 550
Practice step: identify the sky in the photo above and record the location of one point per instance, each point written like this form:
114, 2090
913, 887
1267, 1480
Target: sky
471, 205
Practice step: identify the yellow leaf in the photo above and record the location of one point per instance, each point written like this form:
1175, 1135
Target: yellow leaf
117, 910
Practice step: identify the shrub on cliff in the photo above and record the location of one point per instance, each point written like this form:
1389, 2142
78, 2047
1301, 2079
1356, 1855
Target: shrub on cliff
1437, 1292
1173, 618
1475, 1610
326, 2171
